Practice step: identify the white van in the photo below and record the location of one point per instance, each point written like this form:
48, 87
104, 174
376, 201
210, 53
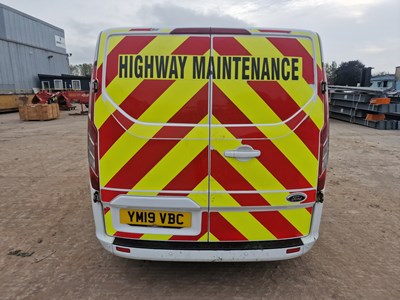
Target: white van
208, 144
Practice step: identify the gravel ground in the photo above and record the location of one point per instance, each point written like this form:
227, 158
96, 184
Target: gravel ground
48, 248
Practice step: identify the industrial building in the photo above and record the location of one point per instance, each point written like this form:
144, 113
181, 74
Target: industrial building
28, 47
387, 81
64, 82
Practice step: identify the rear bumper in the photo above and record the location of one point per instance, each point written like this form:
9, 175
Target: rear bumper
218, 252
209, 255
206, 254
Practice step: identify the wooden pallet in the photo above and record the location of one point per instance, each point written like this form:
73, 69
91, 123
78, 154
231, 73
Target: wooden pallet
39, 112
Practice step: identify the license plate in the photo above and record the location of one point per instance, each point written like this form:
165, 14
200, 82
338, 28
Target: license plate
155, 218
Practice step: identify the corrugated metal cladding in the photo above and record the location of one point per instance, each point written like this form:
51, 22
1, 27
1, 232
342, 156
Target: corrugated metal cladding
28, 47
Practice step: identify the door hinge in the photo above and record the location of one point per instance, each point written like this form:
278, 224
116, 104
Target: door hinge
96, 197
323, 87
320, 197
95, 86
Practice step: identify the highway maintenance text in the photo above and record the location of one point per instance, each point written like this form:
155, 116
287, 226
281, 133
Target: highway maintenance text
202, 67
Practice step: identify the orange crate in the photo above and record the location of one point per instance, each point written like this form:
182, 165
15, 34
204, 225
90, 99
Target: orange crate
378, 101
375, 117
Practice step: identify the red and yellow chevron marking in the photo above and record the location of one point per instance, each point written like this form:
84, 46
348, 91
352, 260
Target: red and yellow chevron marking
286, 163
150, 159
142, 156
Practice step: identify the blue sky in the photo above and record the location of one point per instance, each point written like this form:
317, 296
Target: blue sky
368, 30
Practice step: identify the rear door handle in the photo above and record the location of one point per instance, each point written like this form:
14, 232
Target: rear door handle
243, 153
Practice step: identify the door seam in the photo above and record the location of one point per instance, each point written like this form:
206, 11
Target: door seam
210, 104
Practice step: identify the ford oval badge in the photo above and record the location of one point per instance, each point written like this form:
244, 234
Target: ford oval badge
296, 197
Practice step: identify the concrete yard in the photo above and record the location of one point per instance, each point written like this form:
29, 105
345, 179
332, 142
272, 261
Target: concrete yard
48, 248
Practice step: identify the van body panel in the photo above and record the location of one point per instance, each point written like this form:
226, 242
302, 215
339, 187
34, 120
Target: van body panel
273, 112
220, 125
154, 137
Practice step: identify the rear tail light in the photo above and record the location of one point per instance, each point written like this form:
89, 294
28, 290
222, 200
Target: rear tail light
325, 152
293, 250
324, 137
123, 249
92, 138
93, 156
323, 148
323, 163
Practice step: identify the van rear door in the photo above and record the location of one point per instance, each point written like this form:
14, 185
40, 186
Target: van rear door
266, 121
153, 124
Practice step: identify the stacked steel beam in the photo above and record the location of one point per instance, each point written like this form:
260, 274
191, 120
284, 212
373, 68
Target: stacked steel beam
370, 107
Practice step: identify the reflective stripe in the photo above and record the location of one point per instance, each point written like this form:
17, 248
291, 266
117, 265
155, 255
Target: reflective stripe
163, 109
108, 223
174, 161
292, 146
248, 226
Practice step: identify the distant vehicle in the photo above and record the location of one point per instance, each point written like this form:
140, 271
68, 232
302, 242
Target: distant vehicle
208, 144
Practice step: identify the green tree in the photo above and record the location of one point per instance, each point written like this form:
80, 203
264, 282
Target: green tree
349, 73
73, 70
330, 72
86, 69
381, 73
81, 69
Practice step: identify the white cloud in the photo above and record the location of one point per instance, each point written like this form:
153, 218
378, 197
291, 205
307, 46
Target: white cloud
173, 15
372, 49
367, 30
